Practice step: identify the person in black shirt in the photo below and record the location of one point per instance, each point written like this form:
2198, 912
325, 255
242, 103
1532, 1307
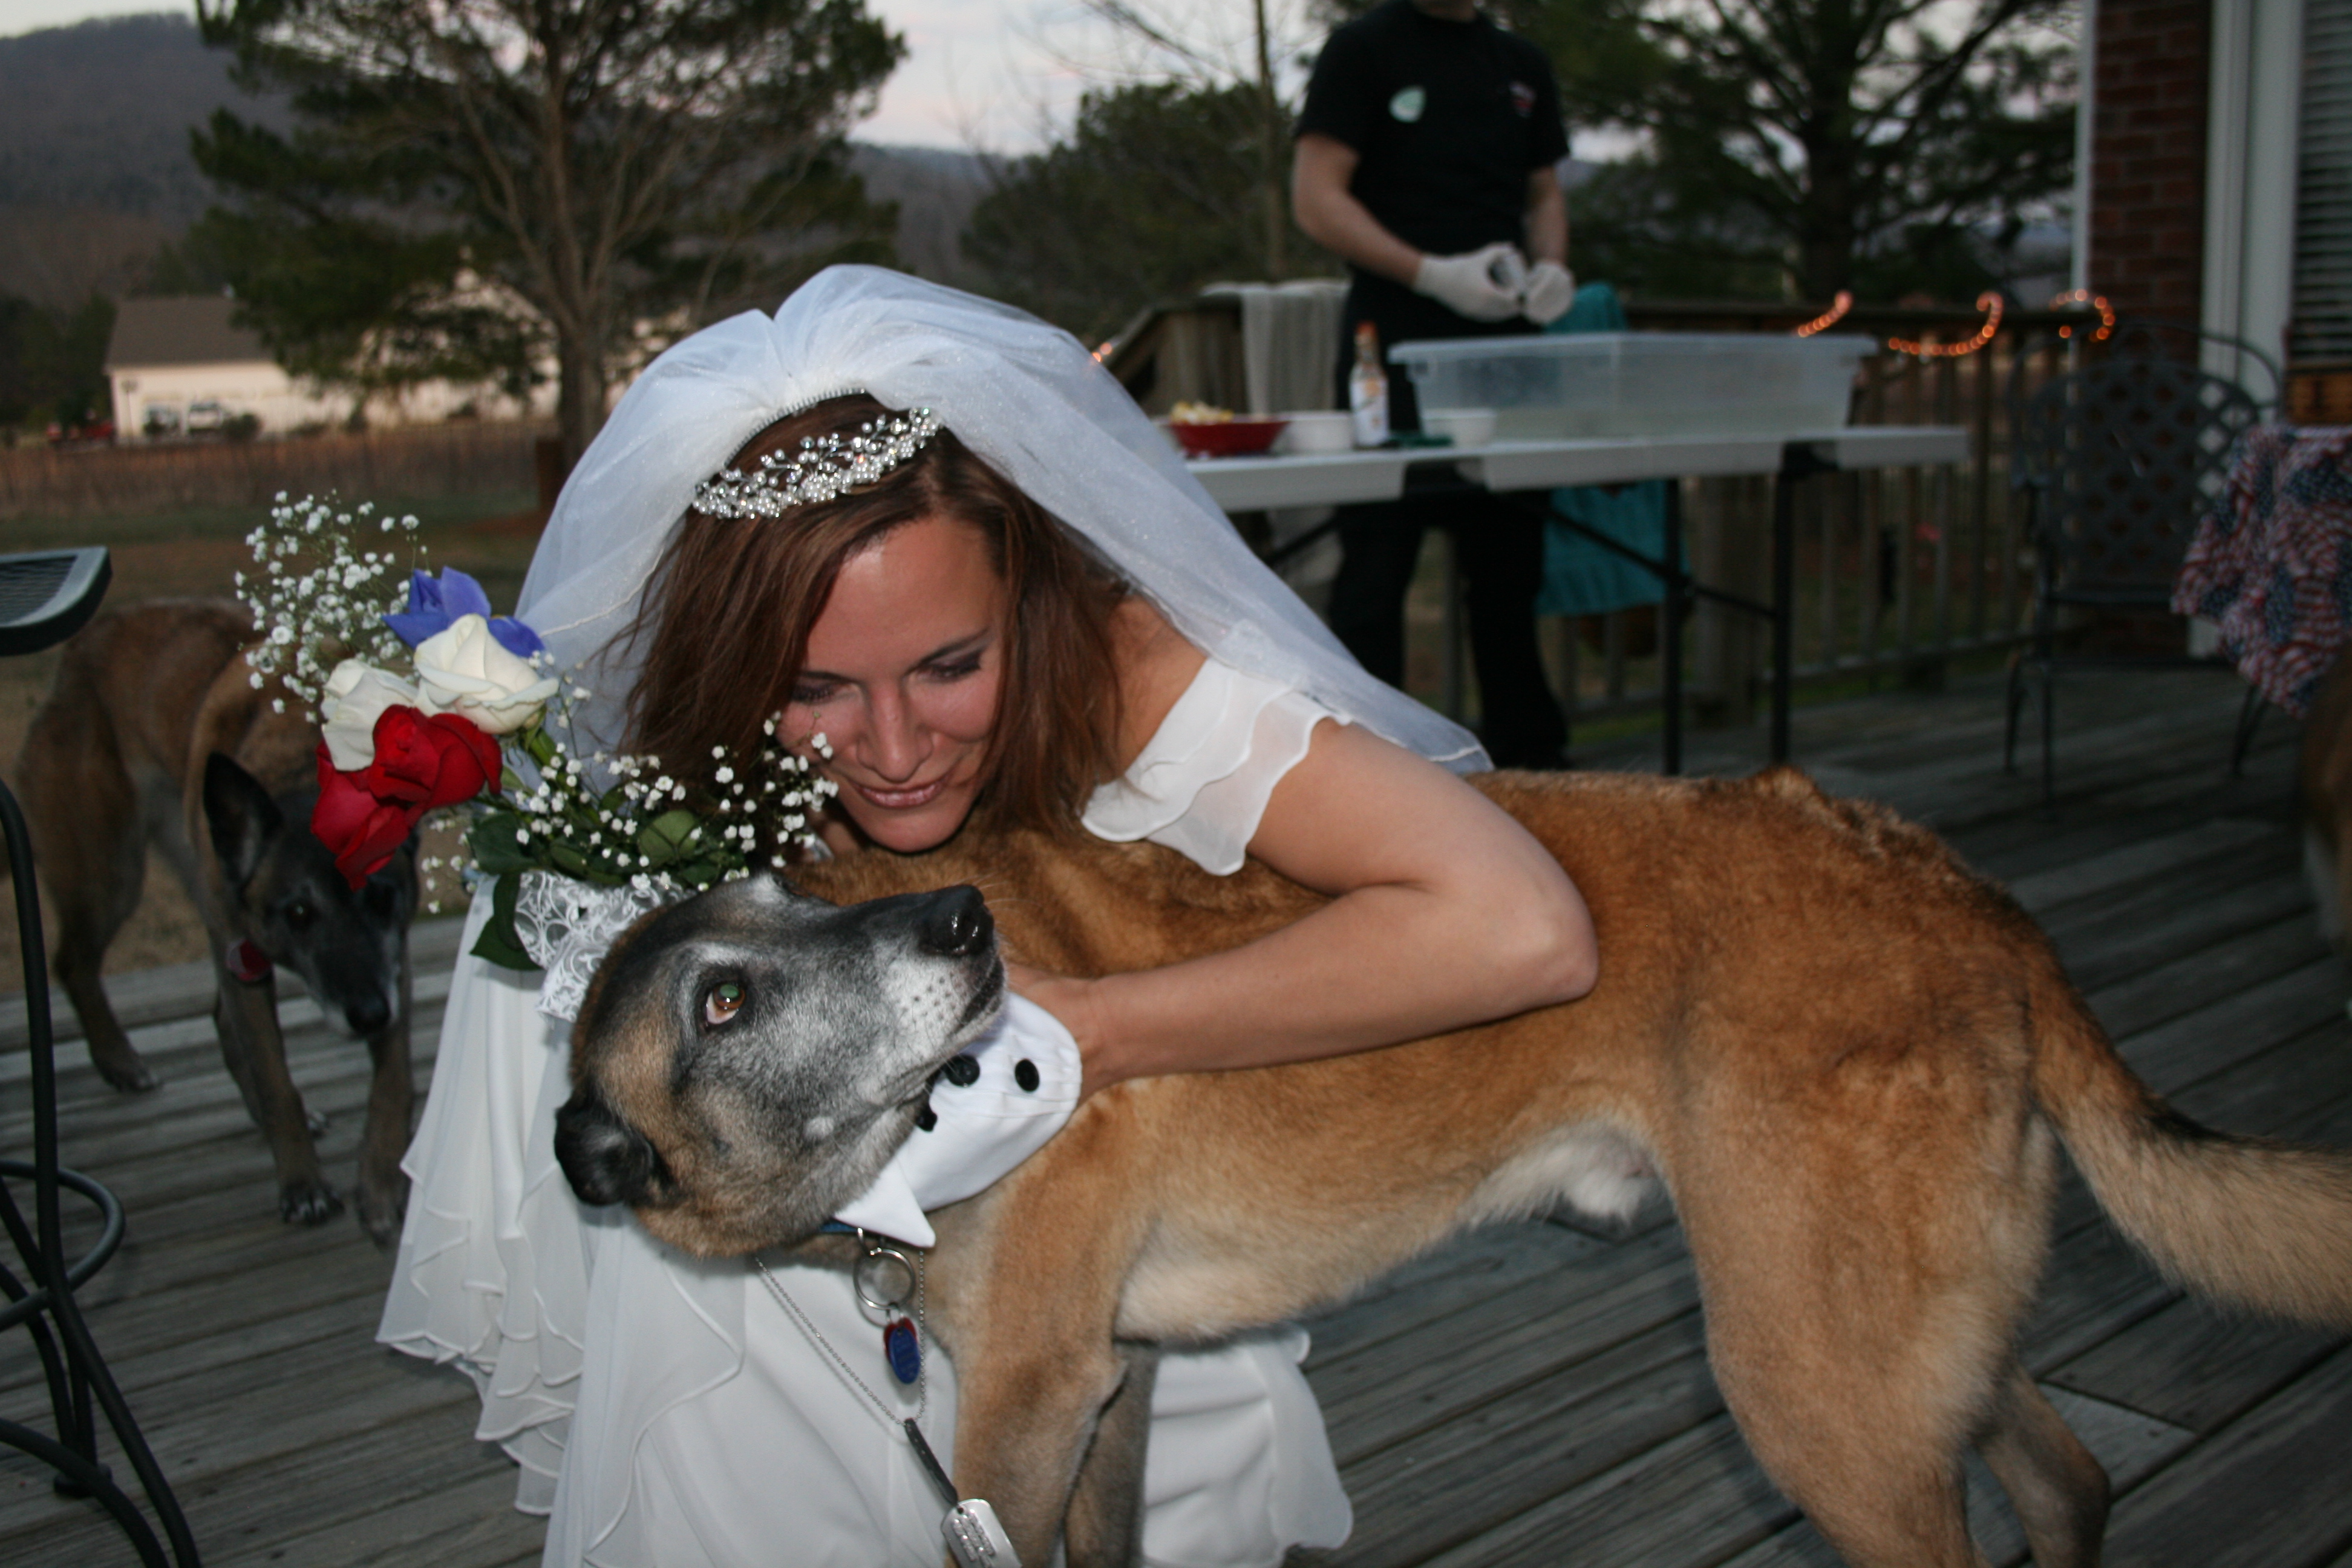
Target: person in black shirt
1425, 158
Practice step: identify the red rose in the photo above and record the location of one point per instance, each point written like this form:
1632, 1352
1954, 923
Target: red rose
420, 762
361, 831
428, 761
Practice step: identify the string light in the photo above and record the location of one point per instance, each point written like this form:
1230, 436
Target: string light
1990, 303
1831, 317
2097, 301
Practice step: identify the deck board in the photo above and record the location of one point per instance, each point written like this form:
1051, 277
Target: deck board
1532, 1395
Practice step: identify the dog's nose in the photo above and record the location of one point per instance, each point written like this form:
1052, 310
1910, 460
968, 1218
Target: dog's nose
957, 924
368, 1015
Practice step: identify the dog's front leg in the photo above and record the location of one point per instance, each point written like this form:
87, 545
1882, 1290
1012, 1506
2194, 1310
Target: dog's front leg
1033, 1308
1105, 1515
255, 1052
382, 1185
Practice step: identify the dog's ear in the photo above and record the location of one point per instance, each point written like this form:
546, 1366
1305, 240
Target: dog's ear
241, 815
607, 1160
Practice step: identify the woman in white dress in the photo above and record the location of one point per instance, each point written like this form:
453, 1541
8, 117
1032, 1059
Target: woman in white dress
1031, 616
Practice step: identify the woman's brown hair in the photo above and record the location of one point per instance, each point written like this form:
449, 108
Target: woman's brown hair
724, 627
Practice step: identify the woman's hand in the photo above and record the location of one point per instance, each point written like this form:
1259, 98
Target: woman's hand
1074, 1004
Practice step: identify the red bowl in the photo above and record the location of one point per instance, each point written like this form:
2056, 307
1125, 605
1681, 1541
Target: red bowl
1229, 439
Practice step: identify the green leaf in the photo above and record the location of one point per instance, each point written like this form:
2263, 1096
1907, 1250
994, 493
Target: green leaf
496, 851
497, 943
662, 839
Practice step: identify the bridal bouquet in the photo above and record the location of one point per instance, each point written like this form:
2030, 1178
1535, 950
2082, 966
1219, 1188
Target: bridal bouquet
429, 702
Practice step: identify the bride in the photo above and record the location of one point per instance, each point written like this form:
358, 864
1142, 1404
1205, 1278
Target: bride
939, 544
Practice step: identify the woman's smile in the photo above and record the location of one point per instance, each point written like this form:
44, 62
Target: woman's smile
902, 676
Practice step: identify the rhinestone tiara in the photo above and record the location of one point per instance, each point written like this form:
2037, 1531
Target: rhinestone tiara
825, 466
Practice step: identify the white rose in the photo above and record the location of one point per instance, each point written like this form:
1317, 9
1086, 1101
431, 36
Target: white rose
463, 670
355, 695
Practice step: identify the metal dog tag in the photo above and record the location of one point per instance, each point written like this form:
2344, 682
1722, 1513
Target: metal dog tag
975, 1537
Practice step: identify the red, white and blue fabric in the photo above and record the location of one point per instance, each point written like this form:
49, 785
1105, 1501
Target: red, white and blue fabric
2270, 567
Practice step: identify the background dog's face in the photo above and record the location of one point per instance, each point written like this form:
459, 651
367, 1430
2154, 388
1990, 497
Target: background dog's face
747, 1061
348, 944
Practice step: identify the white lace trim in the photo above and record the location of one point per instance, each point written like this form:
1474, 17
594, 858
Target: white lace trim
567, 926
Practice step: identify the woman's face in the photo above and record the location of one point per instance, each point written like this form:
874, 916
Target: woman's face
904, 666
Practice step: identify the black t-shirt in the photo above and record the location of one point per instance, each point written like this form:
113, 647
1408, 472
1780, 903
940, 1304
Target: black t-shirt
1446, 119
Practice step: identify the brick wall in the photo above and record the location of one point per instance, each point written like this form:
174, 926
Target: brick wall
2148, 155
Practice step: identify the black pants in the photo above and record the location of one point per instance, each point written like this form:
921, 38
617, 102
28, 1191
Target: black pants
1499, 547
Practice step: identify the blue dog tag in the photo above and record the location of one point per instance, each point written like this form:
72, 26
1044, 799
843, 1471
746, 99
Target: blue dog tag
905, 1349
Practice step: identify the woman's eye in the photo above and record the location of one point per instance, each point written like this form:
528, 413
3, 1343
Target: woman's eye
810, 696
956, 670
722, 1002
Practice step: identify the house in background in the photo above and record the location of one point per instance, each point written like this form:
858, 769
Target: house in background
2215, 178
181, 366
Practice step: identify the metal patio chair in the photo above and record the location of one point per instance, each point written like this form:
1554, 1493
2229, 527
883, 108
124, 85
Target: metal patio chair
2119, 458
44, 599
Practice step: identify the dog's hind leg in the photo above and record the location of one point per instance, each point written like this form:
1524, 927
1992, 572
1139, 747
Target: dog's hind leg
2059, 1490
1106, 1518
89, 844
1856, 1348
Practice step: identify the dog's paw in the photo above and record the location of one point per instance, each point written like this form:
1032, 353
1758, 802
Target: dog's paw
308, 1202
381, 1211
131, 1075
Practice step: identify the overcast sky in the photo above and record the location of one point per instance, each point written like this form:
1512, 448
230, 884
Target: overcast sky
974, 71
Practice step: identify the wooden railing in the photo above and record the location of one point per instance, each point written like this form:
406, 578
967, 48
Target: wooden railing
1899, 571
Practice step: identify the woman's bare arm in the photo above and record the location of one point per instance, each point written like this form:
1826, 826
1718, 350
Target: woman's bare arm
1446, 912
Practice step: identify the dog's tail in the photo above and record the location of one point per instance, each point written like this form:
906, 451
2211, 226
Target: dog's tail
2265, 1225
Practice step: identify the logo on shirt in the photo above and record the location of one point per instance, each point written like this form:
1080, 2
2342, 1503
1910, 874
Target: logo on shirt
1407, 105
1523, 99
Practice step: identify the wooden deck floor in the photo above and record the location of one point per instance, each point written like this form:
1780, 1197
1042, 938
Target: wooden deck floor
1536, 1395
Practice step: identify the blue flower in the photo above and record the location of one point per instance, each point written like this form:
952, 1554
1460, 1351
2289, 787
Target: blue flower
433, 605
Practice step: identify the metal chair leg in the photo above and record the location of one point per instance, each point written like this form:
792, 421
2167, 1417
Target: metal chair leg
2250, 719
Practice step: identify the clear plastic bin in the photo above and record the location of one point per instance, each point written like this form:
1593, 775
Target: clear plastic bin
1641, 384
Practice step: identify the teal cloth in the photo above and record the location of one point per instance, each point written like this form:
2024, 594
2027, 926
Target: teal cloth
1582, 578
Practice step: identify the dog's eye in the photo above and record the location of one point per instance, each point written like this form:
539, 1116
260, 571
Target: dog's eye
298, 915
722, 1002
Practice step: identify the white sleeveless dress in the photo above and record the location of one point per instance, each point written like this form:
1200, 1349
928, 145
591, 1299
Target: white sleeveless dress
667, 1413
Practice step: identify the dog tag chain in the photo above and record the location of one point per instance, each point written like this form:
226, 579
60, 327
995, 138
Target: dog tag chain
883, 1277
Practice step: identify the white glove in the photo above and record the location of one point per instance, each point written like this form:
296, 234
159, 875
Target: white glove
1551, 290
1481, 284
984, 1129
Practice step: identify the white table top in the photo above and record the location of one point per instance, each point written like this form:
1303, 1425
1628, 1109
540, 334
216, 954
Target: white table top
1334, 478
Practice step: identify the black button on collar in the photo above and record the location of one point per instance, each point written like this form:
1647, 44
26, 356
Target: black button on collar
963, 1071
1024, 1073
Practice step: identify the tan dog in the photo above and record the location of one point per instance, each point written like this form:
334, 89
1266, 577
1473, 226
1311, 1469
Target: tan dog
2325, 781
154, 732
1850, 1060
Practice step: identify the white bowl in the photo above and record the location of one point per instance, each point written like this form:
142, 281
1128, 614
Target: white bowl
1317, 431
1468, 427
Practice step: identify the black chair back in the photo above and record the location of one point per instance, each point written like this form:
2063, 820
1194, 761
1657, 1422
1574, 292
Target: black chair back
2123, 458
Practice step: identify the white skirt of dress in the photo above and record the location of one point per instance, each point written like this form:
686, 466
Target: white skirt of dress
666, 1411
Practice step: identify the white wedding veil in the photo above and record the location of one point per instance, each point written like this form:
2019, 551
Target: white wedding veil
1025, 396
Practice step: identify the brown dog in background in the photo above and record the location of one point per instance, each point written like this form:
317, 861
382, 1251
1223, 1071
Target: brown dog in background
154, 734
1850, 1060
2325, 781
